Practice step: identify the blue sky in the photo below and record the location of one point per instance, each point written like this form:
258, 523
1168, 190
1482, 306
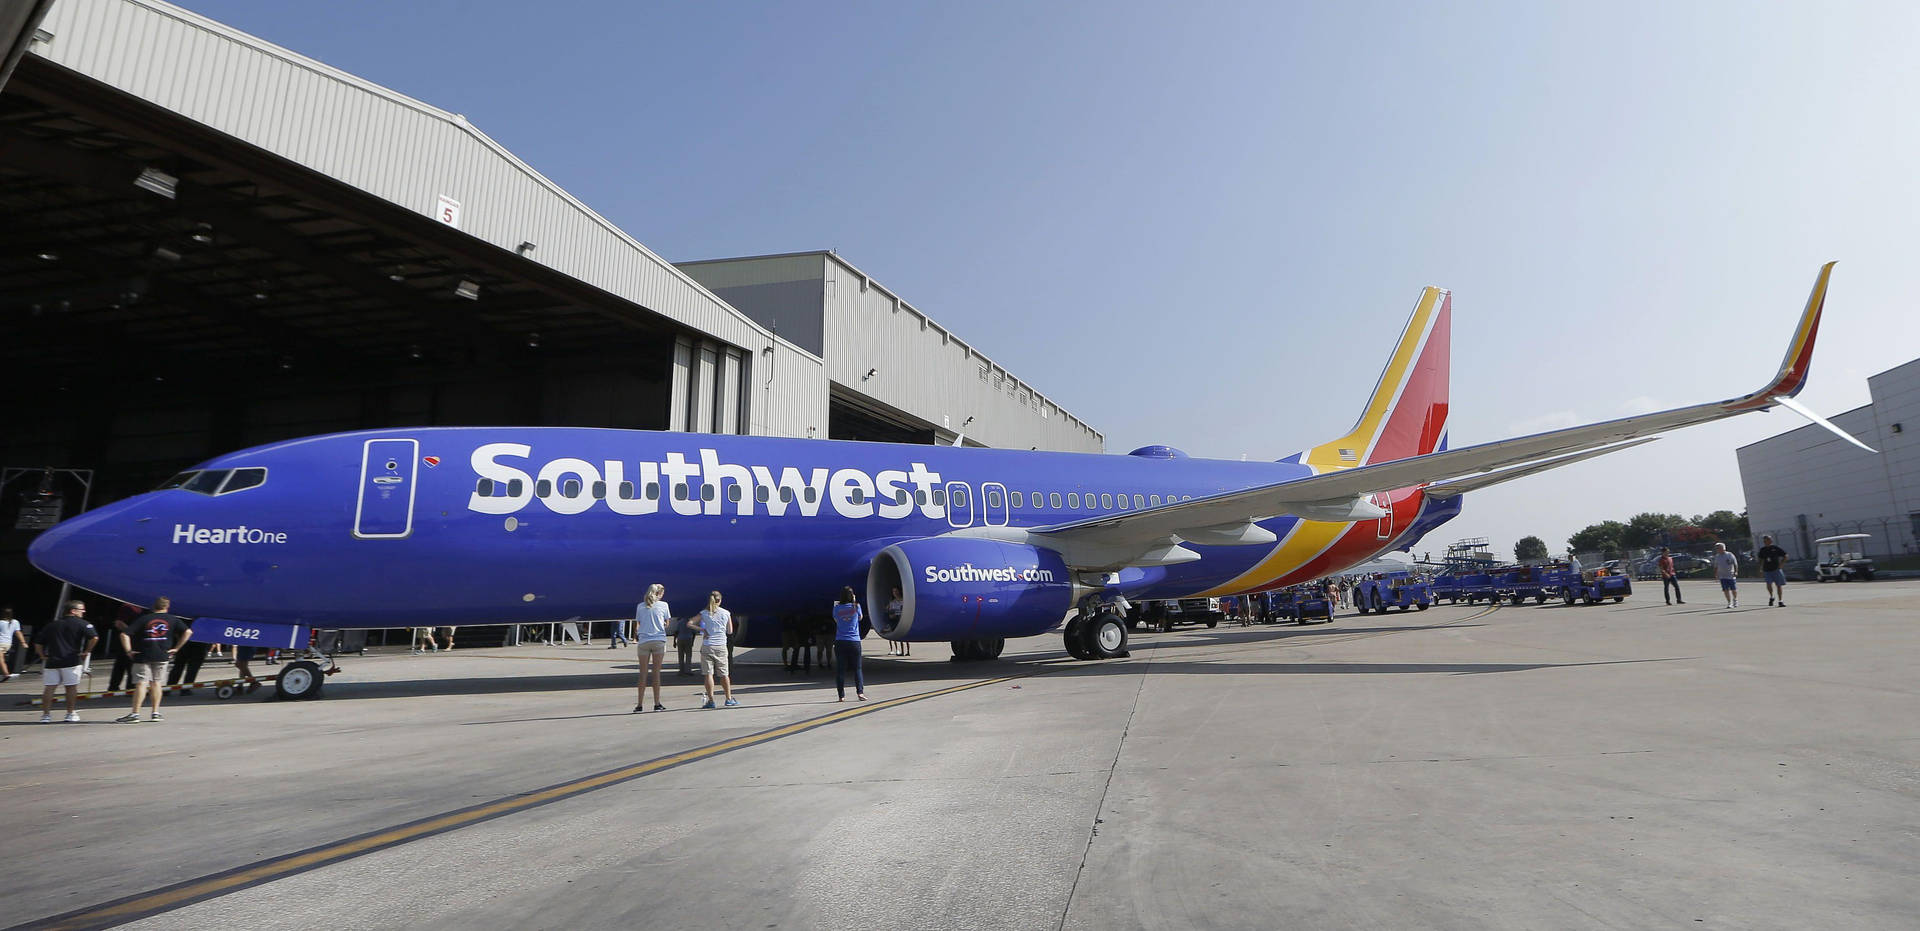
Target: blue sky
1204, 225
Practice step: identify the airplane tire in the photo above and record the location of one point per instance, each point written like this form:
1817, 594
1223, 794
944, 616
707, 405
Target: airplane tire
1107, 637
1423, 606
992, 647
1076, 640
301, 680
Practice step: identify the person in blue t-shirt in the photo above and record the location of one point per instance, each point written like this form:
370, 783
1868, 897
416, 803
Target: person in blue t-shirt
846, 645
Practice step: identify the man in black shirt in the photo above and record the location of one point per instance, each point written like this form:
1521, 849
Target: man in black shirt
63, 646
1772, 569
151, 640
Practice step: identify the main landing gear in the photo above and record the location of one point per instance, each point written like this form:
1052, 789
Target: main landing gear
1096, 632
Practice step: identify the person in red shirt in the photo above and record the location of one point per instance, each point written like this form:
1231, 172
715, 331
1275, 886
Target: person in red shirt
1669, 581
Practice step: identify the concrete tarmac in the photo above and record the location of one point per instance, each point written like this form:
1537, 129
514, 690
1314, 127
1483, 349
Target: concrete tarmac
1633, 765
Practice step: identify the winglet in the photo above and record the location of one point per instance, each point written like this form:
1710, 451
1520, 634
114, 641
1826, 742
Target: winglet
1793, 368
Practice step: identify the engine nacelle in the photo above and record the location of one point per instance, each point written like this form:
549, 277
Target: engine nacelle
959, 588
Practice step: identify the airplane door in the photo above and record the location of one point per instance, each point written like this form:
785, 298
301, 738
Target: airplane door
388, 469
959, 504
1383, 528
993, 504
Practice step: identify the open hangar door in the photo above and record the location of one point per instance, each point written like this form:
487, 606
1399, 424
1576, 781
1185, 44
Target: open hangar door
170, 293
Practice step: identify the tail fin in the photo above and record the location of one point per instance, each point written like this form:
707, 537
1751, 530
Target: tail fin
1407, 415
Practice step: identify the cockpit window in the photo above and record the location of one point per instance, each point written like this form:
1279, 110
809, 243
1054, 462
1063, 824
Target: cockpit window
244, 479
208, 482
177, 481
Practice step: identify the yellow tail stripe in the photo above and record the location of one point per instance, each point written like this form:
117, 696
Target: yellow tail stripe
1399, 367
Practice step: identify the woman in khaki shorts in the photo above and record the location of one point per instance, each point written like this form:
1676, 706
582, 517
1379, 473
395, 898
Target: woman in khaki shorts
650, 633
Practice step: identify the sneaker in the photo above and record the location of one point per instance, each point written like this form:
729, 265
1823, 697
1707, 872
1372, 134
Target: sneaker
638, 708
659, 707
46, 718
731, 703
1769, 602
73, 717
132, 717
1783, 604
708, 705
156, 717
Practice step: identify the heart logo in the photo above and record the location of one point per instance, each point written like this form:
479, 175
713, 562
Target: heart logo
431, 461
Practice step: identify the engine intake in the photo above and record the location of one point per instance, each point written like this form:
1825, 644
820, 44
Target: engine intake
957, 588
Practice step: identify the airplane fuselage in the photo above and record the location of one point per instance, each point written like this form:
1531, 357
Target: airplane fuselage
454, 525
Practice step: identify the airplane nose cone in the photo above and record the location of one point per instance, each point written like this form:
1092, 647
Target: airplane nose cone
80, 549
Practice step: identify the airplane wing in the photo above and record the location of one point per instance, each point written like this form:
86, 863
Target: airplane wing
1152, 536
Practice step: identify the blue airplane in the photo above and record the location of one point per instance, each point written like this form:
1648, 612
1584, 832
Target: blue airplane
496, 525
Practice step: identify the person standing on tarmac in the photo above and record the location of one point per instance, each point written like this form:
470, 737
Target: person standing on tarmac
650, 634
64, 646
846, 645
1773, 569
1726, 567
716, 626
151, 640
9, 631
1669, 579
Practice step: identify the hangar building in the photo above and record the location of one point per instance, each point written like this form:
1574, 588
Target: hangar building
1805, 484
209, 242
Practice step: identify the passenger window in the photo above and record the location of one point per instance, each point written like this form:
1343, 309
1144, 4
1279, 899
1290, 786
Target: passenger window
542, 488
1121, 500
679, 492
599, 489
857, 496
786, 494
1073, 500
762, 494
1139, 502
1019, 500
626, 491
1154, 500
1106, 501
993, 498
734, 494
811, 494
1053, 500
959, 497
206, 483
940, 496
515, 488
920, 497
570, 488
484, 488
653, 491
706, 492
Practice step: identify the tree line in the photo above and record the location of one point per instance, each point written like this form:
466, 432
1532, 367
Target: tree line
1613, 539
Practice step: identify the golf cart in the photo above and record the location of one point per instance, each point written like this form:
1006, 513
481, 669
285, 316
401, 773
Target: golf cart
1843, 558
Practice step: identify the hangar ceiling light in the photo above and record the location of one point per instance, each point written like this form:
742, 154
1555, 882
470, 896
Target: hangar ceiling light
467, 288
157, 181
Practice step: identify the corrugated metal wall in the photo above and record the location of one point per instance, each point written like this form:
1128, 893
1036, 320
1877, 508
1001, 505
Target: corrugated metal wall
410, 154
923, 369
